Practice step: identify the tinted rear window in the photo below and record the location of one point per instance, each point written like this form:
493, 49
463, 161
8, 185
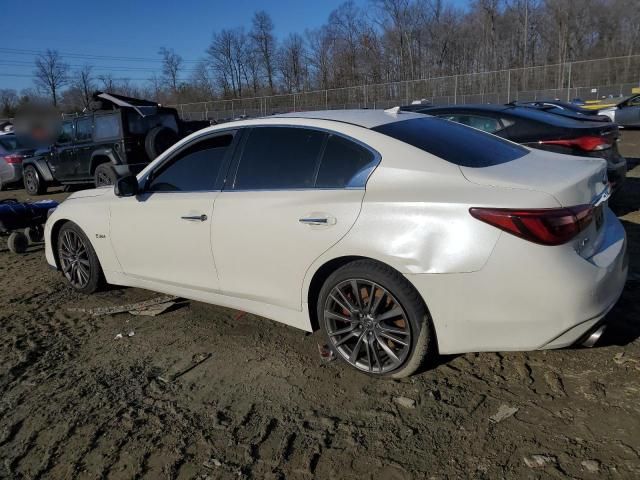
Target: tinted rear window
343, 164
453, 142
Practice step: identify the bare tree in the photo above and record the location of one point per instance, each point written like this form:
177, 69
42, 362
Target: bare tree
171, 66
84, 84
108, 82
227, 55
264, 42
202, 80
8, 102
292, 62
51, 73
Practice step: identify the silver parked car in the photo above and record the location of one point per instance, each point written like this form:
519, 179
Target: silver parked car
626, 113
12, 153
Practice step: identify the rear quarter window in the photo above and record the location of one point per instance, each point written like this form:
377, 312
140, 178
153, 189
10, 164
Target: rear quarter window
455, 143
107, 126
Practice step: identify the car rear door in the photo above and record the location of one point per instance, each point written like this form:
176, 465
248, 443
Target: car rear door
164, 233
293, 193
84, 148
62, 157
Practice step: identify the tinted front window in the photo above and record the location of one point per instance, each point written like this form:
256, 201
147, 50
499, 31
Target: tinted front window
453, 142
279, 157
342, 162
194, 169
107, 126
83, 129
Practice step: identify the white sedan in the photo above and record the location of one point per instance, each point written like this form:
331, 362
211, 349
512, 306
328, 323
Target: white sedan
398, 234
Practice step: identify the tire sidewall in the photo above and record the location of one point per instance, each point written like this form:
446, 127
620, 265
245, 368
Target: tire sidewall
18, 242
108, 170
96, 276
31, 172
404, 293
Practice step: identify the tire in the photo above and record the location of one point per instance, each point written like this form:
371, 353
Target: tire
18, 242
158, 139
394, 319
104, 175
78, 260
33, 182
34, 234
3, 186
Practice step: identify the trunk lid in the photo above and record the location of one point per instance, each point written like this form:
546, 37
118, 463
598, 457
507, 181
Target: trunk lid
569, 179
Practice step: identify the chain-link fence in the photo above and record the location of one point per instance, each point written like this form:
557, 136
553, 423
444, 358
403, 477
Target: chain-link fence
588, 80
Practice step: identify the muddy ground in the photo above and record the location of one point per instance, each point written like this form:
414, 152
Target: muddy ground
77, 403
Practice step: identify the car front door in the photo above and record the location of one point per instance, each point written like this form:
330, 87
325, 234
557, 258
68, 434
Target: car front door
293, 193
164, 233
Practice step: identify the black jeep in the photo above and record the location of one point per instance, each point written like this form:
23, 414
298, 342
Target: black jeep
121, 135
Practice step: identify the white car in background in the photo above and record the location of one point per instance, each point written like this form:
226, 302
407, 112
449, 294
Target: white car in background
397, 234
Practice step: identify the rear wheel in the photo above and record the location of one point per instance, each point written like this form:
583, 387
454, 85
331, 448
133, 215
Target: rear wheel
374, 319
33, 183
78, 259
104, 175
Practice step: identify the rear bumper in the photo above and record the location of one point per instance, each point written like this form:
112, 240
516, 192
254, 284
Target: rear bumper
12, 174
527, 296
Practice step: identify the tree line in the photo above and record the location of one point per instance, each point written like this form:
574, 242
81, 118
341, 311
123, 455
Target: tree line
375, 42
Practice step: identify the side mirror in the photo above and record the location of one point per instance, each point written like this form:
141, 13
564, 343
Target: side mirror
126, 186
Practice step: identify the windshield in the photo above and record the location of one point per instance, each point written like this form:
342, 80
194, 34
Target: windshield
455, 143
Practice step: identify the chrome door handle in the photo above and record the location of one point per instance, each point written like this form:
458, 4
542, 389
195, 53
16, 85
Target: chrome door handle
314, 221
195, 218
318, 221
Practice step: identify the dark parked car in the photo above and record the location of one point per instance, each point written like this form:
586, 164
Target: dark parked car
538, 129
121, 136
12, 154
566, 109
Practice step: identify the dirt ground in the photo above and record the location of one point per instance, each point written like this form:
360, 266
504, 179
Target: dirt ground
77, 403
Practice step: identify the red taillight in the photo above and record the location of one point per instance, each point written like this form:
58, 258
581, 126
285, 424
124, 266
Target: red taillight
588, 144
548, 226
13, 158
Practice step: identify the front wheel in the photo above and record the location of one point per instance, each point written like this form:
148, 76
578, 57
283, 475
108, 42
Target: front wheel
78, 259
374, 319
33, 183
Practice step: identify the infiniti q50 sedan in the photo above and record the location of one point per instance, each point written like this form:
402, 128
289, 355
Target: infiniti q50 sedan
395, 233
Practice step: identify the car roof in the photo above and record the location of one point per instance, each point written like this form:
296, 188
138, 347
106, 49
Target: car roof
362, 118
